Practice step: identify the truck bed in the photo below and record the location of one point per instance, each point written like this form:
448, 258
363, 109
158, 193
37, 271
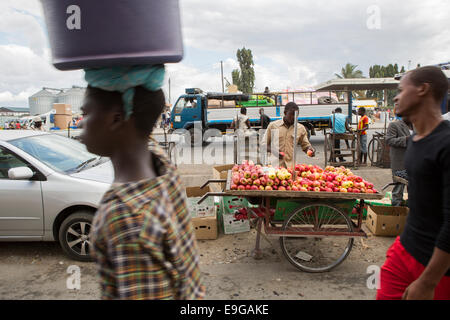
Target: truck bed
315, 112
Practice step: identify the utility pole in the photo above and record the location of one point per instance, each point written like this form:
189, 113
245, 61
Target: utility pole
221, 78
221, 71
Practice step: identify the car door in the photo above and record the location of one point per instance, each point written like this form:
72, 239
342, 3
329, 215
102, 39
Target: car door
21, 209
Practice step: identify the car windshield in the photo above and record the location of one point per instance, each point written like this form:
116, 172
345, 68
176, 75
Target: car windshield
59, 153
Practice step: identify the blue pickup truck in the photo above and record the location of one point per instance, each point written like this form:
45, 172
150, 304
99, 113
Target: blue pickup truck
198, 109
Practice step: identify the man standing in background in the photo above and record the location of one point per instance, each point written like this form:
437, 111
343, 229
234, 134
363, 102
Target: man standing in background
398, 133
363, 125
265, 120
339, 125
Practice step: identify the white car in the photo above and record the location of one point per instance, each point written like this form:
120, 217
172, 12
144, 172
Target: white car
50, 188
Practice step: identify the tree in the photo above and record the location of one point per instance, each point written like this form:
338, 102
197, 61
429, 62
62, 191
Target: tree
350, 72
244, 77
236, 77
378, 71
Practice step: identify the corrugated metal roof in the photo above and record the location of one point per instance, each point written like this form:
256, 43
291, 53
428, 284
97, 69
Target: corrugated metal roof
359, 84
43, 93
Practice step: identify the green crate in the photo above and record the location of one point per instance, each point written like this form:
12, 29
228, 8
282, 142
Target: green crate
285, 207
231, 204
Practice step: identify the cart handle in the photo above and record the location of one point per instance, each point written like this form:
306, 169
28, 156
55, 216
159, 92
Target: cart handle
210, 194
212, 181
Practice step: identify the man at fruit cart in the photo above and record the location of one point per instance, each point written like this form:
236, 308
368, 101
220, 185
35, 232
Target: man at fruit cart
284, 128
363, 125
339, 125
418, 263
142, 238
397, 136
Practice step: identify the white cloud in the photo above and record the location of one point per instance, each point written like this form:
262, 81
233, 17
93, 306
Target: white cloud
294, 43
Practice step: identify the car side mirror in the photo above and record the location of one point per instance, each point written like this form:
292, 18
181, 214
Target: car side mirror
20, 173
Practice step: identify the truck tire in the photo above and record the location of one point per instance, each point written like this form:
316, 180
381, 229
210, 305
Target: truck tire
73, 235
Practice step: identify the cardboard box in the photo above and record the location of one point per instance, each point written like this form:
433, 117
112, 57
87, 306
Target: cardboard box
63, 108
203, 216
386, 221
205, 227
220, 172
206, 209
62, 121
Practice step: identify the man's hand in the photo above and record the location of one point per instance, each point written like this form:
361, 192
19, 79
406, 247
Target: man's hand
418, 290
311, 152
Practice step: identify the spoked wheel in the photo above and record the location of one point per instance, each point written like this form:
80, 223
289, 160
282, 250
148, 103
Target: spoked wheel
374, 150
316, 253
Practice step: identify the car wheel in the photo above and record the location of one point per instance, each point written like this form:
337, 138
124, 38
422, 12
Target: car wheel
74, 236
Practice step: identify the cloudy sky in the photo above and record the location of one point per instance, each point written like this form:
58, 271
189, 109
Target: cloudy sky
295, 43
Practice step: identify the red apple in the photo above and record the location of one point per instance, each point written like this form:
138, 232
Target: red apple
328, 190
295, 188
262, 181
256, 182
281, 188
276, 181
241, 187
335, 189
248, 187
255, 187
275, 187
233, 187
269, 188
269, 182
243, 181
316, 189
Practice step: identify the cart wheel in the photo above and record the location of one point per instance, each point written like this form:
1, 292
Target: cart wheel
316, 253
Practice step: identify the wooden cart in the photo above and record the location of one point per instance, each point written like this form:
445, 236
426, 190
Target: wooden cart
317, 235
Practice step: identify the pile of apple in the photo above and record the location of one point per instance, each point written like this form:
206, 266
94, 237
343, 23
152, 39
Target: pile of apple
249, 176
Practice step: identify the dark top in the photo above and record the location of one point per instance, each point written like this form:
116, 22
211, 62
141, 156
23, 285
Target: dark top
428, 166
397, 137
265, 120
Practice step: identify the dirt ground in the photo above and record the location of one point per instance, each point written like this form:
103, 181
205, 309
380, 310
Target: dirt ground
39, 271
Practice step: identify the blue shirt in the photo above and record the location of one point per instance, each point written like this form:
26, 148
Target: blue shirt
340, 122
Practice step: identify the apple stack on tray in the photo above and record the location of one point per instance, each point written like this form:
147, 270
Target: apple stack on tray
309, 178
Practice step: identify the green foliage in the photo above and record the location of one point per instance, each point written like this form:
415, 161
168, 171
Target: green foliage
349, 71
378, 71
236, 77
245, 77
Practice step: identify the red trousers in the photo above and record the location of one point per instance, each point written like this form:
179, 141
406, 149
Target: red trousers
400, 270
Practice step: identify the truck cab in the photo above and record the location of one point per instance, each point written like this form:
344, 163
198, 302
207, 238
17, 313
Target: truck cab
188, 110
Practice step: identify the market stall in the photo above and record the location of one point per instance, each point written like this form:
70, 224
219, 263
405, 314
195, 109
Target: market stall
317, 225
